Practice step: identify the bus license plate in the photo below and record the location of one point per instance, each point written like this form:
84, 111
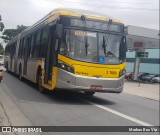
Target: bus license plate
95, 87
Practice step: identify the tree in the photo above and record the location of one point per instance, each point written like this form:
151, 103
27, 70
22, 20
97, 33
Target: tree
8, 34
1, 24
1, 29
1, 49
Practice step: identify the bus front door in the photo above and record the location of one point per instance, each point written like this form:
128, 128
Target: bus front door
50, 57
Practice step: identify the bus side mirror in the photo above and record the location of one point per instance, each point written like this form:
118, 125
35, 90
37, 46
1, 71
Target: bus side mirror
58, 30
123, 49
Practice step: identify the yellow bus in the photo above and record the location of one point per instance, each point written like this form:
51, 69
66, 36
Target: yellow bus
70, 50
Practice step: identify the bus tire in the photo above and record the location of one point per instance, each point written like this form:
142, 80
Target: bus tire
88, 93
40, 87
6, 67
20, 74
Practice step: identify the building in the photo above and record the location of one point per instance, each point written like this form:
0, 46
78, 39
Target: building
149, 65
143, 40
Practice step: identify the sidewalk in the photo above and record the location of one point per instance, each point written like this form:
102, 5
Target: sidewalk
142, 89
4, 121
10, 115
3, 118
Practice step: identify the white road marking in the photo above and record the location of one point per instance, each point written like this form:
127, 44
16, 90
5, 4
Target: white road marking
118, 113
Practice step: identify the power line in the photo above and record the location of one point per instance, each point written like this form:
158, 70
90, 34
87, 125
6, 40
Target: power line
122, 2
125, 2
101, 1
101, 6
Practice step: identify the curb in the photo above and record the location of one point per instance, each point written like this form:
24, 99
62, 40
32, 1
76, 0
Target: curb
142, 96
12, 116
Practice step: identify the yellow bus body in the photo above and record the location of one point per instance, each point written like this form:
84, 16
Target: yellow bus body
90, 71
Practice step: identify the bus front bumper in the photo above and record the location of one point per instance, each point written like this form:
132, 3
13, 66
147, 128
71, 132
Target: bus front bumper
66, 80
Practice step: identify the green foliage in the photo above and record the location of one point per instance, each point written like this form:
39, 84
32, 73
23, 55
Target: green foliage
1, 24
1, 49
8, 34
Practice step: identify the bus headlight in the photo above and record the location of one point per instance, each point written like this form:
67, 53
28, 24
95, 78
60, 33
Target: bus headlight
122, 72
65, 66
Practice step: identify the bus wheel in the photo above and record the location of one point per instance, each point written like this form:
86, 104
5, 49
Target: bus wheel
40, 87
88, 93
20, 74
7, 68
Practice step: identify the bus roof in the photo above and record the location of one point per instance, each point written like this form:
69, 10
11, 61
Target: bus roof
79, 13
54, 14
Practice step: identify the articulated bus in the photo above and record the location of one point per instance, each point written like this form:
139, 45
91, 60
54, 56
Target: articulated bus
72, 51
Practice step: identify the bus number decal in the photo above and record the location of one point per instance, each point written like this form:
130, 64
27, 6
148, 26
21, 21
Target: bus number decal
79, 33
113, 72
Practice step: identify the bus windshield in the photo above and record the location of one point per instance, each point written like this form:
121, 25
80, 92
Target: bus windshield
91, 46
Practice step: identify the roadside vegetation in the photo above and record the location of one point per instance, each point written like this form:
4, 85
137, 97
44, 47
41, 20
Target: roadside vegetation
7, 34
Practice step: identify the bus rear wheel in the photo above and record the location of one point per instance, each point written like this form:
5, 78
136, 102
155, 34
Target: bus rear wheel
88, 93
7, 67
20, 74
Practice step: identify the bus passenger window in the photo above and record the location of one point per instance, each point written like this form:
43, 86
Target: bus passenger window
43, 46
21, 48
38, 39
33, 45
14, 50
29, 40
37, 45
19, 51
33, 39
24, 47
45, 35
7, 51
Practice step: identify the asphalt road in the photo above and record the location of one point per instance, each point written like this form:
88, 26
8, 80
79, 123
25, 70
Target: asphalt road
65, 108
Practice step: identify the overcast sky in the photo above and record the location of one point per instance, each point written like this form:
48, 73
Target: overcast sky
144, 13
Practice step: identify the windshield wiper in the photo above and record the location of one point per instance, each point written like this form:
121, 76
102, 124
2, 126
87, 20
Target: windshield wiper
86, 45
106, 38
83, 18
66, 44
104, 45
84, 42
